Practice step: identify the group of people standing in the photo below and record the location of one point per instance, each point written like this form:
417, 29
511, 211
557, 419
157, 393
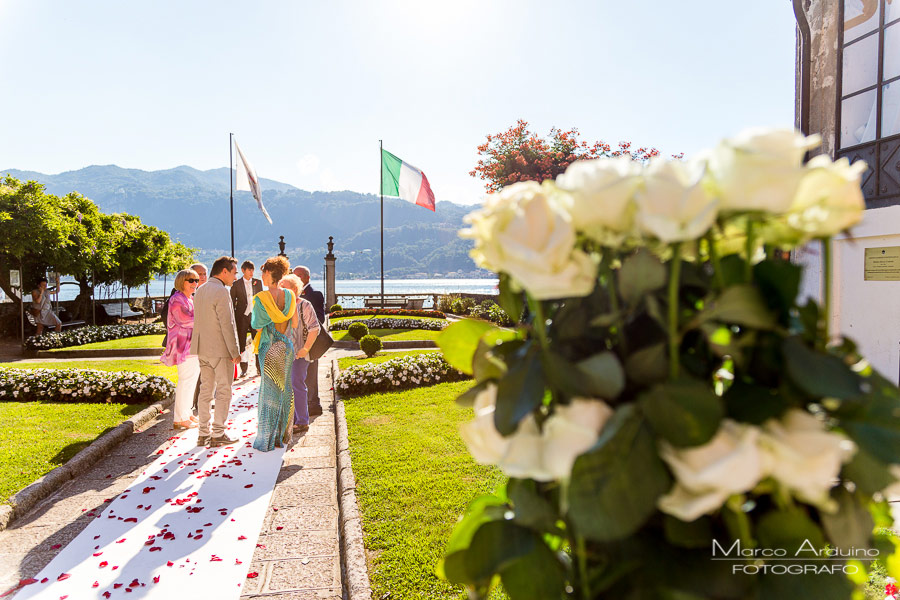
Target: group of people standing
207, 325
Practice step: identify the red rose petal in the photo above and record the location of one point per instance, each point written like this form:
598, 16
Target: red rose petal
279, 528
156, 579
170, 564
115, 567
252, 575
55, 546
243, 537
103, 564
45, 580
63, 576
120, 541
97, 553
131, 520
249, 485
106, 594
155, 549
237, 562
96, 584
117, 585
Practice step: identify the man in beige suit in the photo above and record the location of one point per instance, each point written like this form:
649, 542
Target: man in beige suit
215, 342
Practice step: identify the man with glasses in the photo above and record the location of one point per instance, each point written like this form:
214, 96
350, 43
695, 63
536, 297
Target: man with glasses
215, 343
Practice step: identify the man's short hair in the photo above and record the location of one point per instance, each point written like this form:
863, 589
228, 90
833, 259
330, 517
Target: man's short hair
196, 266
247, 265
223, 263
302, 272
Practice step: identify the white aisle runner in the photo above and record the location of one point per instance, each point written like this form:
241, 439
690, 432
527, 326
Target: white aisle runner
186, 528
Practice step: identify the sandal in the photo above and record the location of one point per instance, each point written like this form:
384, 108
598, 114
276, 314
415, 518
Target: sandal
184, 425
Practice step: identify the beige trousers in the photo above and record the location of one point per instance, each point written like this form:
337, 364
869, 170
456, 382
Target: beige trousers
216, 374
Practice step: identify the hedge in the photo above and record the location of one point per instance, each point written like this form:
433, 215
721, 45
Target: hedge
82, 385
403, 372
91, 334
379, 323
393, 312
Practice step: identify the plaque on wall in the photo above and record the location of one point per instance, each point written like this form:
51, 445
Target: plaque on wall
883, 264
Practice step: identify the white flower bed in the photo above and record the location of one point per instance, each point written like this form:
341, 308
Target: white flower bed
82, 385
399, 373
91, 334
382, 323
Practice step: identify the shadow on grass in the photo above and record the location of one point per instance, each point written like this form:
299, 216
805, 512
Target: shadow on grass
66, 453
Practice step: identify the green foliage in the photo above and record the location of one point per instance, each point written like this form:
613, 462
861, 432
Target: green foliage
72, 236
358, 330
335, 308
462, 306
370, 344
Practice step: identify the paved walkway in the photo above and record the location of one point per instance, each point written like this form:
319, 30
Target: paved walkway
297, 557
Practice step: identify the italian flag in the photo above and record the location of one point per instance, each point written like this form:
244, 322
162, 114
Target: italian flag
402, 180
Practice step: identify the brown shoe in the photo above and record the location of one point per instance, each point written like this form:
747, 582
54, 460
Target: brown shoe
189, 424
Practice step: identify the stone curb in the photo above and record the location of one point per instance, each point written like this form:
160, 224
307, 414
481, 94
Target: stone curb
353, 552
389, 345
98, 353
27, 497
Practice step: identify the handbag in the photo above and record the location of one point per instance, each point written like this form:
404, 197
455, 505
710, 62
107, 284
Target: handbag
323, 341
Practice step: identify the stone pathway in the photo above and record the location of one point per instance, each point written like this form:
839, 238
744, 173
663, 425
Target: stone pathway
298, 556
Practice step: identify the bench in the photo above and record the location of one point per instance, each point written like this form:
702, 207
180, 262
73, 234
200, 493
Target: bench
30, 318
375, 302
119, 310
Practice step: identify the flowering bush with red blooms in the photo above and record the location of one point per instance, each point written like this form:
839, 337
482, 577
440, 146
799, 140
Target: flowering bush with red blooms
399, 312
517, 154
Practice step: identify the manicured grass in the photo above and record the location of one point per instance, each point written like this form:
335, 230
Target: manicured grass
349, 361
150, 366
138, 341
35, 437
391, 334
381, 317
414, 479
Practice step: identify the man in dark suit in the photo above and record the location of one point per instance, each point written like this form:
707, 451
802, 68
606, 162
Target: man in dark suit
242, 292
317, 300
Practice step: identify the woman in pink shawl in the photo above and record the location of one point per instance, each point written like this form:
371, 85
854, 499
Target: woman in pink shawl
180, 326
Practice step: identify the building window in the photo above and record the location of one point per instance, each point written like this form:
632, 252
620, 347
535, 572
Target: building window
868, 115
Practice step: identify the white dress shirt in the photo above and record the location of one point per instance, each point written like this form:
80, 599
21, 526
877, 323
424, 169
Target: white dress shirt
248, 287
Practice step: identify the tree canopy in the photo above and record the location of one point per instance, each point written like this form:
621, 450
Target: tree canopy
71, 235
517, 154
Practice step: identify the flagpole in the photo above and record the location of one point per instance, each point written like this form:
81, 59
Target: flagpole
381, 190
231, 187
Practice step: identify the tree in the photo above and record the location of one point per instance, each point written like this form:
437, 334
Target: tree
517, 154
72, 236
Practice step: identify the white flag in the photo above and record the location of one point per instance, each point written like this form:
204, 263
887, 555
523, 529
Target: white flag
248, 181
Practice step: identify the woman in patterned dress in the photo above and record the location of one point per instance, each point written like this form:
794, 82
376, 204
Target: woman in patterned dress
275, 317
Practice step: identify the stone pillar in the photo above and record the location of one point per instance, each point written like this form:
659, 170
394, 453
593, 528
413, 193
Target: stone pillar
330, 293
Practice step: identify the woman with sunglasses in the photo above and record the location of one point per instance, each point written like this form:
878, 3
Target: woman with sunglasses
180, 327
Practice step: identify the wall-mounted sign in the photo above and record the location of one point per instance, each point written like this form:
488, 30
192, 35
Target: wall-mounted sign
883, 264
14, 278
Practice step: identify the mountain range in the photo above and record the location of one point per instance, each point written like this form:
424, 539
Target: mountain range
193, 207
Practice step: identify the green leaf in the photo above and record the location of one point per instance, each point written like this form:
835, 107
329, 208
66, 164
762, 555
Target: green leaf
851, 526
752, 403
495, 546
603, 375
467, 398
641, 273
779, 281
648, 365
480, 511
868, 473
696, 534
459, 341
520, 391
615, 485
532, 510
684, 412
819, 375
741, 305
538, 575
511, 302
486, 363
732, 269
873, 423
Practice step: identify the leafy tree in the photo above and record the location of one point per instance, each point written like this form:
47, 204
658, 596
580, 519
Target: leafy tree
517, 154
72, 236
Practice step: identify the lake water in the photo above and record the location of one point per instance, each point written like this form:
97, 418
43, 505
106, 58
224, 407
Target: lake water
160, 287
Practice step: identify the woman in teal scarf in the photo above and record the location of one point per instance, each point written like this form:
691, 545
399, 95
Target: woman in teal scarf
275, 316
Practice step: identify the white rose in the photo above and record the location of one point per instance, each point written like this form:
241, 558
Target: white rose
829, 199
525, 231
570, 431
673, 205
485, 443
602, 193
760, 169
804, 457
892, 491
705, 476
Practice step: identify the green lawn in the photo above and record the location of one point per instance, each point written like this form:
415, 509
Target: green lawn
414, 479
349, 361
151, 366
35, 437
391, 334
138, 341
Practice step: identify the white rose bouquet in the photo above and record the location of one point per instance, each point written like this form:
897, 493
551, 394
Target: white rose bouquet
664, 393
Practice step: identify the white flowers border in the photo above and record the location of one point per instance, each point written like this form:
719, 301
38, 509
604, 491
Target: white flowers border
91, 334
82, 385
397, 374
381, 323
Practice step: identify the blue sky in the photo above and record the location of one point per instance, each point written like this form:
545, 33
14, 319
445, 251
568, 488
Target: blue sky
309, 87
